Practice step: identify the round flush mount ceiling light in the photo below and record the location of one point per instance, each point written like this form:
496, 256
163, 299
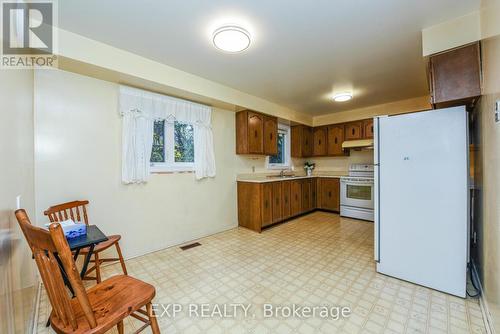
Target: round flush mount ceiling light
342, 97
231, 39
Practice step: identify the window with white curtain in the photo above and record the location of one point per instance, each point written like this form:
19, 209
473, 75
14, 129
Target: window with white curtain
173, 147
163, 133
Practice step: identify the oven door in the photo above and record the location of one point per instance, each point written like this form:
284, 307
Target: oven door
356, 193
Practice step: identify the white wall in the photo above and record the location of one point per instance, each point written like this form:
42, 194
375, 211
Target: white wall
341, 164
391, 108
17, 273
487, 174
78, 156
16, 151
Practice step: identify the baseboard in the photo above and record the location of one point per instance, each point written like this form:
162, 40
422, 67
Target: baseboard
483, 304
34, 320
177, 244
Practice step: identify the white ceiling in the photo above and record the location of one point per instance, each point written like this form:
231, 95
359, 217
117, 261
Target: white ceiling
302, 50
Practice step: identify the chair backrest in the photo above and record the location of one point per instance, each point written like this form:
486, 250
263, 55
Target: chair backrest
51, 250
75, 210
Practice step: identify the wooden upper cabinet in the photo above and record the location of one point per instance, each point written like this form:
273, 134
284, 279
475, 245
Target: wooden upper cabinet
353, 130
296, 141
320, 144
270, 135
307, 142
335, 139
301, 141
368, 128
455, 76
256, 133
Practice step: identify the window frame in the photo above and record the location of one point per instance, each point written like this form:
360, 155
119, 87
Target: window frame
288, 158
169, 146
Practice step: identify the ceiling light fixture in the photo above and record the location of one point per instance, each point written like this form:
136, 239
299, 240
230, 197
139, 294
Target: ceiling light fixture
342, 97
231, 39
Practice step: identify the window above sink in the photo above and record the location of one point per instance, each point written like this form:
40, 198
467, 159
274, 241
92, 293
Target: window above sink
281, 160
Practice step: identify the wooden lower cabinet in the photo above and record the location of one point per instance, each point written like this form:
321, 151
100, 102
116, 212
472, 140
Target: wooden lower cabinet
306, 195
296, 197
263, 204
314, 192
267, 203
285, 199
277, 205
250, 205
329, 194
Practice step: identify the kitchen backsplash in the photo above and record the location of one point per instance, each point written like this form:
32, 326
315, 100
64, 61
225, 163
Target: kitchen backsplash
257, 164
342, 163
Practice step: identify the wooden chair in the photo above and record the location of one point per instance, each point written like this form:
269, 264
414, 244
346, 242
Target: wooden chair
96, 310
77, 211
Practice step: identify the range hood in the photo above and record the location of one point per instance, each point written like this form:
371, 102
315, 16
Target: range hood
361, 143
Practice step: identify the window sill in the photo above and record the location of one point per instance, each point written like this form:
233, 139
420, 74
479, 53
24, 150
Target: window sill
276, 167
173, 172
172, 168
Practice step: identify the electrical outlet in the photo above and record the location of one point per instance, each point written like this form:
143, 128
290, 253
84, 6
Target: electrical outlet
497, 112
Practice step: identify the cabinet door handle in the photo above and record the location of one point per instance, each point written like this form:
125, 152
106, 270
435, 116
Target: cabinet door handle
319, 141
255, 133
329, 194
353, 131
271, 136
266, 204
296, 198
286, 200
335, 140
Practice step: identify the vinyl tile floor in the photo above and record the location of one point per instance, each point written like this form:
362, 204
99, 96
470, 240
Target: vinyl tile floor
319, 260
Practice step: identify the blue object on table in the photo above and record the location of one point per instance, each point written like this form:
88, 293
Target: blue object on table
74, 230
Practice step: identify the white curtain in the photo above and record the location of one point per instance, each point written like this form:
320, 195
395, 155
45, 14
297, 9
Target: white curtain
139, 110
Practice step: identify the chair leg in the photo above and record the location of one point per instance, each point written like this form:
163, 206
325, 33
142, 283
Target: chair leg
120, 256
152, 318
97, 268
119, 326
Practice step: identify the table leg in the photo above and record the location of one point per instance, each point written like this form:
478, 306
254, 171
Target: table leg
86, 261
82, 274
64, 274
77, 252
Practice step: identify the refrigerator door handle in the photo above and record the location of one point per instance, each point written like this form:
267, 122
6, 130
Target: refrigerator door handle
376, 152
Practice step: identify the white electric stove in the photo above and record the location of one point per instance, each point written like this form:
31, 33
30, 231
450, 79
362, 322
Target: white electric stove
356, 192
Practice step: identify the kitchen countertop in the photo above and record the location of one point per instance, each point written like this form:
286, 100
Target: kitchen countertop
263, 178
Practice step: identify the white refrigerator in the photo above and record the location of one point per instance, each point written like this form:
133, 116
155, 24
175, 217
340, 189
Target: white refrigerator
421, 198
